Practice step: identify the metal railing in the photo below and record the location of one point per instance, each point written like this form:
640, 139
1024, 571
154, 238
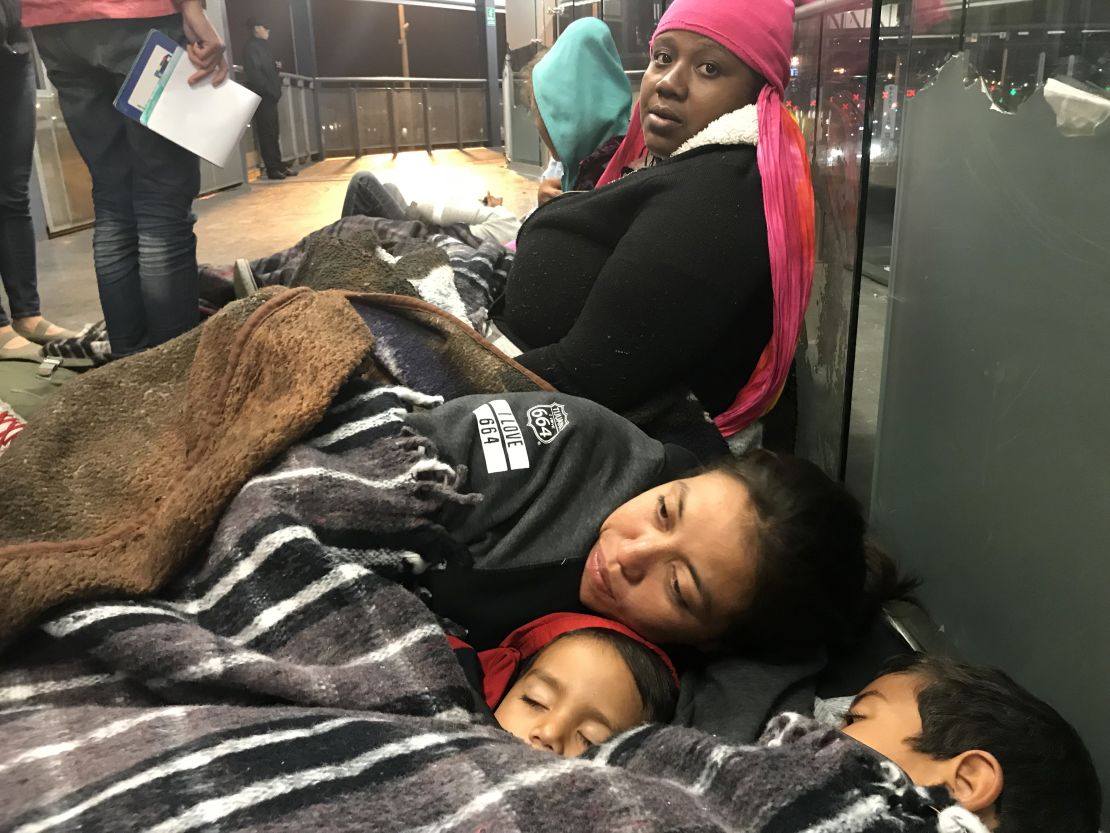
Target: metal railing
298, 122
361, 115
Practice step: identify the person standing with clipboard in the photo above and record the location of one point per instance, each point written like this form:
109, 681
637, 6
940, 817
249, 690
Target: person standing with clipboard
144, 247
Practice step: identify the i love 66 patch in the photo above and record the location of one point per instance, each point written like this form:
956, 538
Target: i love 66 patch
546, 421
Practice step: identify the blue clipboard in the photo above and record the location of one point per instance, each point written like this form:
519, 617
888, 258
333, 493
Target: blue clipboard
143, 81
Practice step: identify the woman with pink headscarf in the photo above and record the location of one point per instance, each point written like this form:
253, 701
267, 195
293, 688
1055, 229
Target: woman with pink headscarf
691, 268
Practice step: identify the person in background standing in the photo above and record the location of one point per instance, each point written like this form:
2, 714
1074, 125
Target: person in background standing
263, 79
20, 334
143, 184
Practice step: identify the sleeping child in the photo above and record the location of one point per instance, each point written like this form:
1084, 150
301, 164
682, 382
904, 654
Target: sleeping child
996, 749
568, 681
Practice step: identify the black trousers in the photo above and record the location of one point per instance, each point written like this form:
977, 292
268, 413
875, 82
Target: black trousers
267, 131
17, 142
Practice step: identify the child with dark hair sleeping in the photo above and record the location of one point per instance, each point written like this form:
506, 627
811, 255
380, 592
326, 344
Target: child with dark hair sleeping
998, 751
569, 681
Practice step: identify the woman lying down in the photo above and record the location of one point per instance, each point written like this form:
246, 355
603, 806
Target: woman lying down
757, 561
745, 572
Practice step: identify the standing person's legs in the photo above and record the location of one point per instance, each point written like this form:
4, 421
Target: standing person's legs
166, 179
366, 195
267, 130
143, 185
17, 142
86, 90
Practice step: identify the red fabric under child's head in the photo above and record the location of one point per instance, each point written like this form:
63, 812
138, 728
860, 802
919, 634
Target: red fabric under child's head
500, 664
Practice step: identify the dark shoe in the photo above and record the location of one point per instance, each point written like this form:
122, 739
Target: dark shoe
89, 348
288, 171
273, 174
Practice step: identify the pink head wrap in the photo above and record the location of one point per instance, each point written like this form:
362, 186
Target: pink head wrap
759, 33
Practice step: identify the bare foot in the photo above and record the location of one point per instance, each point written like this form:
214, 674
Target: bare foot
15, 343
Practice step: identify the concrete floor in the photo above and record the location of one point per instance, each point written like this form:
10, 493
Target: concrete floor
263, 217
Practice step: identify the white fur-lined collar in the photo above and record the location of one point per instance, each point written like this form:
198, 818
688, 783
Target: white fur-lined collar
740, 127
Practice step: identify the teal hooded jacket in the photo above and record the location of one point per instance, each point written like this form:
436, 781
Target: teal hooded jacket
582, 93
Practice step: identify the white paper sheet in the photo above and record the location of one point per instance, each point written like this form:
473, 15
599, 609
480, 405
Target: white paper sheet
207, 120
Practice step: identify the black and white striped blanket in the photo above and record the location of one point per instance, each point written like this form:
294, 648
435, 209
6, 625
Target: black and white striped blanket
300, 597
289, 681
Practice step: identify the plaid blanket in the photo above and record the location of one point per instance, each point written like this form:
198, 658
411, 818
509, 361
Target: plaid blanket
477, 272
288, 681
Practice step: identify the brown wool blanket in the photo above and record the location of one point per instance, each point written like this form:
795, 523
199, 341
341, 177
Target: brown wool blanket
125, 474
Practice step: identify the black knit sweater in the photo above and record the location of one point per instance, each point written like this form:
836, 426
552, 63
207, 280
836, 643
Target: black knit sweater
660, 278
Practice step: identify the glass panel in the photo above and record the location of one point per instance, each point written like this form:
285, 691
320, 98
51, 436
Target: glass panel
474, 115
990, 478
66, 185
566, 12
250, 149
410, 118
335, 116
373, 120
285, 126
304, 120
632, 22
441, 116
296, 107
310, 116
893, 77
1013, 47
828, 93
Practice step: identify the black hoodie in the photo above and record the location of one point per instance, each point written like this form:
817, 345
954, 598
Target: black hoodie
550, 468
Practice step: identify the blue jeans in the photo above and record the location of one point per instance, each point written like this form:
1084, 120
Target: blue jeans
17, 143
144, 248
368, 196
